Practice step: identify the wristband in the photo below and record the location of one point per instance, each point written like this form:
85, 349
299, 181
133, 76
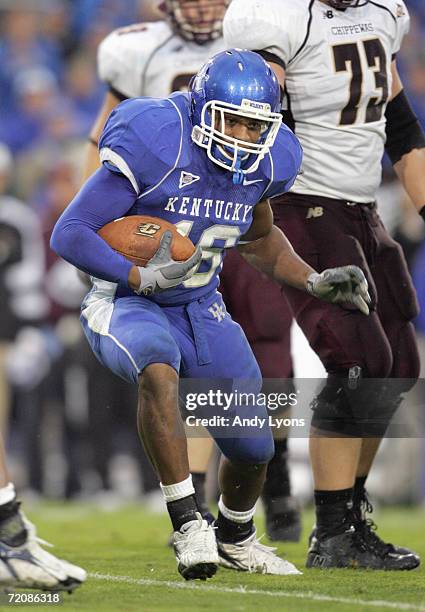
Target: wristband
310, 283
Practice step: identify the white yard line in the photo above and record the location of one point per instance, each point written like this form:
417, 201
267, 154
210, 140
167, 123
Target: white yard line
309, 595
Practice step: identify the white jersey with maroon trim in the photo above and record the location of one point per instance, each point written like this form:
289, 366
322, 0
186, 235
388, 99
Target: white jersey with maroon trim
148, 59
338, 79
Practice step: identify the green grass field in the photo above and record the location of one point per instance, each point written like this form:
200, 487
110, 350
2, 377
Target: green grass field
131, 568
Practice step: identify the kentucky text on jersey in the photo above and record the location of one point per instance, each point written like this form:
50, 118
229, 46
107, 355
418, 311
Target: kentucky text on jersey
199, 207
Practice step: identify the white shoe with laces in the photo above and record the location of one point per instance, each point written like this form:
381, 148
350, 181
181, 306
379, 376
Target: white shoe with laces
196, 549
30, 566
253, 557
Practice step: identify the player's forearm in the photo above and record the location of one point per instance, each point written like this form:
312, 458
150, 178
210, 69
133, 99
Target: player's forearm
84, 249
103, 197
411, 172
273, 255
405, 143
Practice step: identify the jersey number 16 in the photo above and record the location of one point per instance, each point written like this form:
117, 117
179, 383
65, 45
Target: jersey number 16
212, 254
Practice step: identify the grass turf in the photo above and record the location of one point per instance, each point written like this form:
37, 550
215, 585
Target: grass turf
129, 545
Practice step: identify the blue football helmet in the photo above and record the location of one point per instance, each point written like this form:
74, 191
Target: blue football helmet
240, 83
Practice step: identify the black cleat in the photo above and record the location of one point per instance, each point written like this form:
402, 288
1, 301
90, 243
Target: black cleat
283, 519
202, 571
352, 550
368, 529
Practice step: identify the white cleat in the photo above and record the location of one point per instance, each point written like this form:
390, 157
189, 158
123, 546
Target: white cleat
196, 550
253, 557
31, 567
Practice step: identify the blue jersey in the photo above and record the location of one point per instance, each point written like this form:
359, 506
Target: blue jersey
149, 142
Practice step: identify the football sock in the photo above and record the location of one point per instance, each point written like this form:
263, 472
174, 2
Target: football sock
359, 492
182, 511
277, 481
181, 503
198, 479
332, 511
12, 528
233, 526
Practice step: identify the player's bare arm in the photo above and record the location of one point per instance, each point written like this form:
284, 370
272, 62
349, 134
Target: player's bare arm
409, 145
267, 249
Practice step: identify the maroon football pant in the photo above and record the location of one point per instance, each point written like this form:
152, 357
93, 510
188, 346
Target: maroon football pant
327, 233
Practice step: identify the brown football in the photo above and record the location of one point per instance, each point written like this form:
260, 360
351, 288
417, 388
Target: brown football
137, 238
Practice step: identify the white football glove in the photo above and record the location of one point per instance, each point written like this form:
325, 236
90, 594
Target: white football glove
345, 284
162, 272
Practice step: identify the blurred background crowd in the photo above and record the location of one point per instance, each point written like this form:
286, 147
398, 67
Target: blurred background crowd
69, 424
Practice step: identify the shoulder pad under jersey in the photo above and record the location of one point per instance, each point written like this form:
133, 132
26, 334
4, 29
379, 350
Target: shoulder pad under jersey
278, 26
143, 138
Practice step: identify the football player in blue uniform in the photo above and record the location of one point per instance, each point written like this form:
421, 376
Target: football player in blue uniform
207, 161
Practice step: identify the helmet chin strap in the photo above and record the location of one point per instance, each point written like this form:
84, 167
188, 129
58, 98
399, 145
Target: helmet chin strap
238, 172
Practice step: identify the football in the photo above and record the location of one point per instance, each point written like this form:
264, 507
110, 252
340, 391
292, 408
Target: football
137, 238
